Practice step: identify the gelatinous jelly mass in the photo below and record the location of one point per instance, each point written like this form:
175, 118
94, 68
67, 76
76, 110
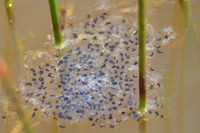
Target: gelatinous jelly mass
95, 78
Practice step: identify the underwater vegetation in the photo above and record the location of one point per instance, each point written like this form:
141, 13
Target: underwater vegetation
95, 69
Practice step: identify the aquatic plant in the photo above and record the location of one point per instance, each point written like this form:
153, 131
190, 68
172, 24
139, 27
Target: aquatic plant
142, 54
10, 14
10, 92
142, 61
186, 70
185, 5
55, 17
15, 45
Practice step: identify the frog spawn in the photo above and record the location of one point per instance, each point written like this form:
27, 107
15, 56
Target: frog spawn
96, 79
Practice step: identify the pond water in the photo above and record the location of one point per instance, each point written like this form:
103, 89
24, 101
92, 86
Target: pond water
175, 79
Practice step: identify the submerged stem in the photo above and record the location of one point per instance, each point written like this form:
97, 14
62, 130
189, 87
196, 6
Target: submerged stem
142, 55
55, 17
142, 126
9, 11
10, 92
11, 20
7, 80
185, 4
54, 126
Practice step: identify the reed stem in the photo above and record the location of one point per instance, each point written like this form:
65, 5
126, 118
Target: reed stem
10, 92
185, 53
142, 54
185, 5
7, 80
55, 17
10, 16
142, 126
54, 126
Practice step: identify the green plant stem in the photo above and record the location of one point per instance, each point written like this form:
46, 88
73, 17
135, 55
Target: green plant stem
55, 17
142, 55
10, 14
6, 81
185, 5
54, 126
186, 56
15, 45
10, 92
142, 126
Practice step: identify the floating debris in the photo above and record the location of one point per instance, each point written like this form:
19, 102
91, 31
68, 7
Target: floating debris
96, 79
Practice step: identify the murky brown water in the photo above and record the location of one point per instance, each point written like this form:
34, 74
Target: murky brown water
181, 84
